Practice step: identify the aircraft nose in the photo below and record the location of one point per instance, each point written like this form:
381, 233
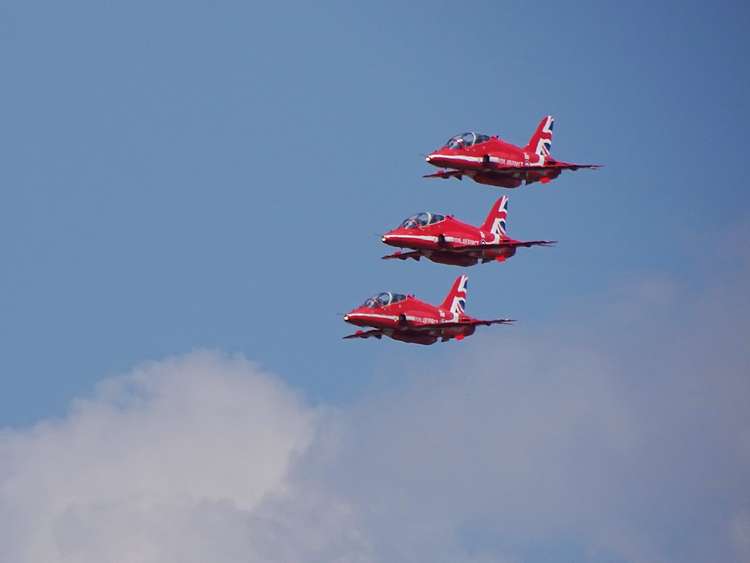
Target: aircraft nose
390, 237
346, 317
428, 158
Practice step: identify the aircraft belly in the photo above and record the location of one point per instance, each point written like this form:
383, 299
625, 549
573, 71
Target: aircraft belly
452, 258
498, 179
413, 337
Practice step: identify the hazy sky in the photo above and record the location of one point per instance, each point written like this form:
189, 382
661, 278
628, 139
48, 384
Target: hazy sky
182, 176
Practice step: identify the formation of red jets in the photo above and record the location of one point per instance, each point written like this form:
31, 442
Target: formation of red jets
446, 240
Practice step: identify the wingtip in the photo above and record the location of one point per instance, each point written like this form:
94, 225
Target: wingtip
575, 167
498, 322
397, 256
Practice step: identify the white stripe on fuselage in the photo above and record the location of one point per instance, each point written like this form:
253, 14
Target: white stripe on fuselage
424, 320
415, 237
494, 159
376, 315
472, 242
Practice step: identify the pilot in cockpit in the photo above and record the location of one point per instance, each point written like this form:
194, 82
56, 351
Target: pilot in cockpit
383, 299
421, 220
466, 140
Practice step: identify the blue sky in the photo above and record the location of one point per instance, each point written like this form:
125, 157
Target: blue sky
189, 175
180, 175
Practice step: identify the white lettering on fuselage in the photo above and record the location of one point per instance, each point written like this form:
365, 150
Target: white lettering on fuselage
465, 241
470, 242
502, 161
508, 161
423, 320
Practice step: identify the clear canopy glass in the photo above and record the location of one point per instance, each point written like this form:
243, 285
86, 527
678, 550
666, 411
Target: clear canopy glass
382, 299
467, 139
421, 220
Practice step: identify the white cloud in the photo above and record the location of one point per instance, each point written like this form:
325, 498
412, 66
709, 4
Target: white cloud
622, 433
174, 462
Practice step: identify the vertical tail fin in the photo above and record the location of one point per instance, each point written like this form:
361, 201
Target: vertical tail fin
455, 301
495, 222
541, 141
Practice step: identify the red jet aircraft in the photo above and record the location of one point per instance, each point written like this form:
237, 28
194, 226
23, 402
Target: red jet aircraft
490, 160
448, 241
406, 318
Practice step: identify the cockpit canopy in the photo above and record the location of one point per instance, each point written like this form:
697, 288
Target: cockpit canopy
383, 299
466, 140
421, 219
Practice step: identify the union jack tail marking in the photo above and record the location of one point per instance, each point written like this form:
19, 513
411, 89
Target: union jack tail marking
541, 141
455, 301
497, 218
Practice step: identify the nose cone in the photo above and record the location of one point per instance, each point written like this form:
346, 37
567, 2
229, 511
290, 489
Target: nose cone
391, 238
359, 316
435, 158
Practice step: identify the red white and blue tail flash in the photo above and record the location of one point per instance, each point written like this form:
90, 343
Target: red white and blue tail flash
541, 141
497, 218
455, 301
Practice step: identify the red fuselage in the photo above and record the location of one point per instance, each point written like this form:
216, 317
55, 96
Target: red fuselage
409, 321
497, 163
446, 242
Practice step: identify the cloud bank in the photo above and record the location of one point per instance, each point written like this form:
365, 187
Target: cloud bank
619, 434
174, 462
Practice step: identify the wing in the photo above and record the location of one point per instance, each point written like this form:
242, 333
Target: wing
426, 328
446, 174
503, 244
488, 322
528, 243
366, 334
501, 169
414, 255
471, 322
546, 167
